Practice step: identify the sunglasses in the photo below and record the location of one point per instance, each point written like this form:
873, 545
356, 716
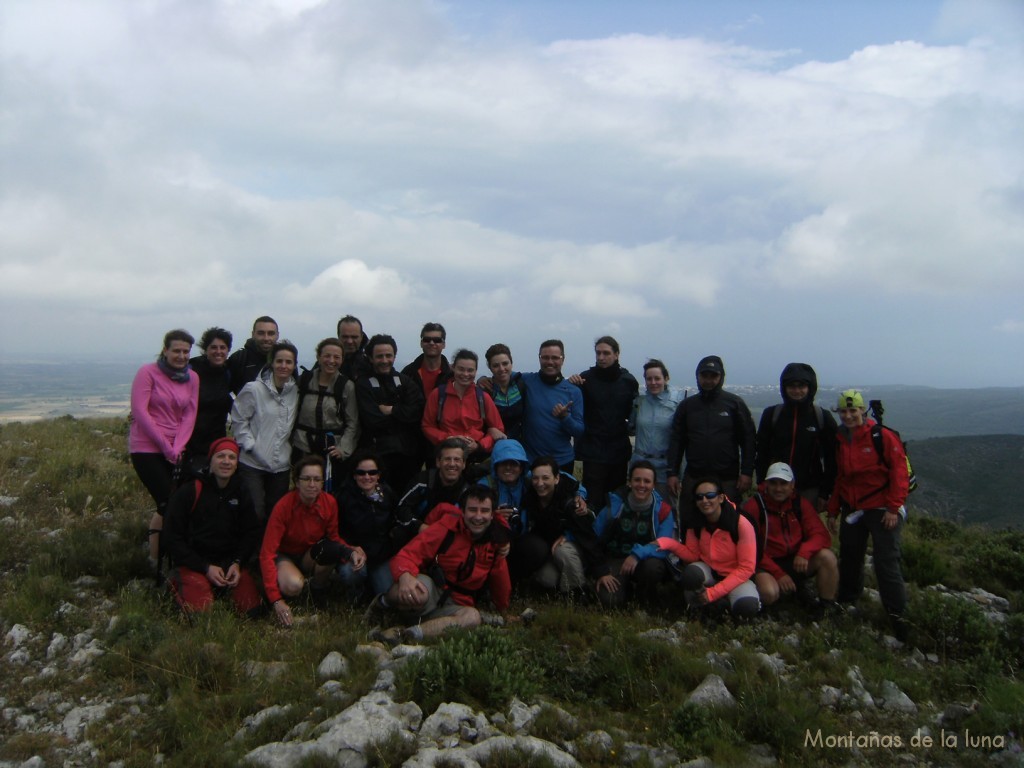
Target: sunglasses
710, 496
365, 472
432, 340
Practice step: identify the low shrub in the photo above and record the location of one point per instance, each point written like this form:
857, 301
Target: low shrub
996, 562
485, 668
953, 628
391, 751
923, 563
698, 730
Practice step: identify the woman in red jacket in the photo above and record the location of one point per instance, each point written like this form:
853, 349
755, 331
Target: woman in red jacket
871, 488
302, 539
721, 553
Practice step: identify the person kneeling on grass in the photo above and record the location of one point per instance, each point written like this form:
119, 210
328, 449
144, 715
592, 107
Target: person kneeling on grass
797, 544
302, 540
720, 550
439, 574
210, 530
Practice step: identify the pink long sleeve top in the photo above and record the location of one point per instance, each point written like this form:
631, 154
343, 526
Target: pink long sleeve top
163, 412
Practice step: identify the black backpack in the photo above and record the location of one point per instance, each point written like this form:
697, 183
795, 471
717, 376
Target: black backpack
877, 410
318, 438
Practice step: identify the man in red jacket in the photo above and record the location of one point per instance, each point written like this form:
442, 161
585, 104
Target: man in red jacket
440, 572
796, 543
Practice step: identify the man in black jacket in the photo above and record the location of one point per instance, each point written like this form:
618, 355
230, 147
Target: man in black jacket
353, 346
246, 363
715, 433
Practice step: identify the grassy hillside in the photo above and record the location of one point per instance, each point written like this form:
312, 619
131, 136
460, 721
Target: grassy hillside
970, 479
72, 566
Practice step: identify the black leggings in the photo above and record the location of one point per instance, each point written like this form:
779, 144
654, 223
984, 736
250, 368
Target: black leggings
156, 474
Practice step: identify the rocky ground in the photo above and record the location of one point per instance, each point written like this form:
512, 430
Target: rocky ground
44, 674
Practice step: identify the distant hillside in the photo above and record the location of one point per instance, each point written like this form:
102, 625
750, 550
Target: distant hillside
923, 412
974, 479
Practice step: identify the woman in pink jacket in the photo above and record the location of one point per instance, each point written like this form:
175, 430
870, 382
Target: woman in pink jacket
720, 552
165, 397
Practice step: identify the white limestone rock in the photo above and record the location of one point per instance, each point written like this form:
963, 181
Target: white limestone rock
712, 693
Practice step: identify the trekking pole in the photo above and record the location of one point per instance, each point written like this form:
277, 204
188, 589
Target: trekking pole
328, 474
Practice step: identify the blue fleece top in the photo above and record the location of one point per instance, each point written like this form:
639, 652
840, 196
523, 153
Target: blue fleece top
543, 434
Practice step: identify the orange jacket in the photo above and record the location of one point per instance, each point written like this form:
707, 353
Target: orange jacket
733, 561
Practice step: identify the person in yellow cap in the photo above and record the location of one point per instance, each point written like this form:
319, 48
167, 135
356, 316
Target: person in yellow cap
870, 491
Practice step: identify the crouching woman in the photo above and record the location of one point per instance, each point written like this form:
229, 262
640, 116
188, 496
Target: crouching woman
302, 540
210, 531
720, 552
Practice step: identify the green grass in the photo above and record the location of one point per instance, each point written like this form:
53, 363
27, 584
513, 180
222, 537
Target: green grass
81, 512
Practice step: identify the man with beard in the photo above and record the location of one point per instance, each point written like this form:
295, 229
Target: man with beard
801, 434
353, 345
715, 433
246, 363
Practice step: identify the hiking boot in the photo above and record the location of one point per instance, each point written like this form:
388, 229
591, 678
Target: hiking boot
900, 630
391, 636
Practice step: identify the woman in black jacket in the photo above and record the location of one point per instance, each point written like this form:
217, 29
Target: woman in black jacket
558, 547
214, 396
210, 532
366, 515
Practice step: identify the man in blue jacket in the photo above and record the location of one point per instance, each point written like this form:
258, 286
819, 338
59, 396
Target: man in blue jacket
554, 409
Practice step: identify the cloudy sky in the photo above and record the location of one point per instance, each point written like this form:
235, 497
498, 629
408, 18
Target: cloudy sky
830, 182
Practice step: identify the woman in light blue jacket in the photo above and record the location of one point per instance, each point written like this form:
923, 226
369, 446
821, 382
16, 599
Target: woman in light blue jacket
261, 420
652, 423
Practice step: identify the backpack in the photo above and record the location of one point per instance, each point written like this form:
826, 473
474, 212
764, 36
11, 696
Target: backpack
316, 436
760, 526
877, 410
442, 395
762, 523
819, 412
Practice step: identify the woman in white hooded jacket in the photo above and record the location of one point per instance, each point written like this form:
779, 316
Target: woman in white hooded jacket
262, 418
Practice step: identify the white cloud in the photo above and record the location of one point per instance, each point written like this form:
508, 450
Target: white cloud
352, 283
334, 154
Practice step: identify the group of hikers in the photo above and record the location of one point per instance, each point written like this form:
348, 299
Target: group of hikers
428, 492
